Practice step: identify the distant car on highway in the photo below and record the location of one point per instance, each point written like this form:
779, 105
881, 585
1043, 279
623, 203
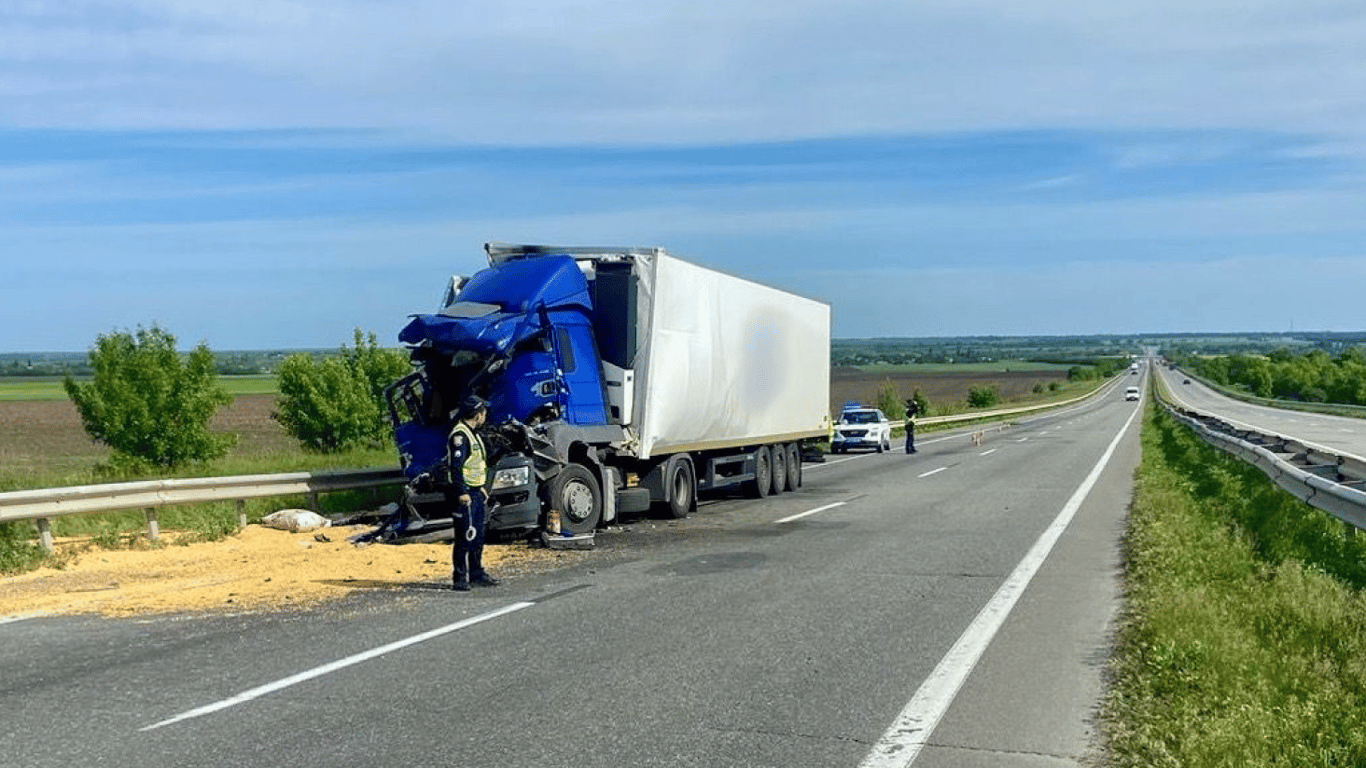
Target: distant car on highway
1131, 393
1185, 381
862, 428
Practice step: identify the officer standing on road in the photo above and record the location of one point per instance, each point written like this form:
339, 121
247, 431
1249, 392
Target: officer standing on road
469, 477
912, 408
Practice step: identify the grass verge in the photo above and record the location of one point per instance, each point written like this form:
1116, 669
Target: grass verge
1243, 640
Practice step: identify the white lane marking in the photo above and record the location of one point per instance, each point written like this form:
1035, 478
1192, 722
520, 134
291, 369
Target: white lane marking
1023, 440
18, 617
903, 741
987, 452
932, 472
260, 691
800, 515
832, 462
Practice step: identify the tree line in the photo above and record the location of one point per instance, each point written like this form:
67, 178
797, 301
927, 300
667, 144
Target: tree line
152, 406
1312, 377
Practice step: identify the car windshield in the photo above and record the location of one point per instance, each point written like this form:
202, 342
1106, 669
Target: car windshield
860, 417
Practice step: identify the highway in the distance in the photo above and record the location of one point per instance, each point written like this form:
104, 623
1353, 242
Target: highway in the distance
949, 608
1332, 434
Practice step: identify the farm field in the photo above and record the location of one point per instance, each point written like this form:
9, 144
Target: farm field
940, 386
50, 387
41, 434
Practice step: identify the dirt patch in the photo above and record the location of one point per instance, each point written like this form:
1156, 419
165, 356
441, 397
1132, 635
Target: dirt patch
257, 569
39, 437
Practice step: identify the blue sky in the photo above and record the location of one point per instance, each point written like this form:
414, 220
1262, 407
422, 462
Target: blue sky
273, 175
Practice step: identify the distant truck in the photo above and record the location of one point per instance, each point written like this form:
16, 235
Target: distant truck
617, 379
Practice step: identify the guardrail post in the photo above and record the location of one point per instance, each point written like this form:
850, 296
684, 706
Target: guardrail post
45, 533
241, 513
153, 531
313, 502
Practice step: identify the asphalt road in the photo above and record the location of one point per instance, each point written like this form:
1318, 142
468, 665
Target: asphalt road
1332, 434
950, 608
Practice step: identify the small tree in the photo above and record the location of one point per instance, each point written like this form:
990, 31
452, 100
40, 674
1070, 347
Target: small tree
145, 403
889, 401
337, 403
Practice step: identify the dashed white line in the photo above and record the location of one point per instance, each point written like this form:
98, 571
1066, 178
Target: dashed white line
987, 452
932, 472
800, 515
256, 693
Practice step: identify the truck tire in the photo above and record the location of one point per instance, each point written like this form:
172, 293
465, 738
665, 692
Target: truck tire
575, 494
779, 462
681, 485
794, 466
763, 474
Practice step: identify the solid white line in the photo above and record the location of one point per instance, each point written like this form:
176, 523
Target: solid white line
831, 462
903, 741
18, 617
260, 691
809, 512
932, 472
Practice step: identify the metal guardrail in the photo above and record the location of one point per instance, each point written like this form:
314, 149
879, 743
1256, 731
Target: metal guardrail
987, 415
150, 495
1330, 482
44, 504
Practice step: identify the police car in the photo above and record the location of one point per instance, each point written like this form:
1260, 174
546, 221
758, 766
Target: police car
861, 428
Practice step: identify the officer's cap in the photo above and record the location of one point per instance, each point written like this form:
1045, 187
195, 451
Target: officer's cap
472, 405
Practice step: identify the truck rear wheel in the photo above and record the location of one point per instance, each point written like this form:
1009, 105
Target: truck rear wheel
779, 462
794, 466
681, 485
763, 473
575, 494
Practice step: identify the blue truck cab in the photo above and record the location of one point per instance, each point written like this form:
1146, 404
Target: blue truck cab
523, 335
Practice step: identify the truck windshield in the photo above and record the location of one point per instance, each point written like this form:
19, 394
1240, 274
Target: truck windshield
470, 309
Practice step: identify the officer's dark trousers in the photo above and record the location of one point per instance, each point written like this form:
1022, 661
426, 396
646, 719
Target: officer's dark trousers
467, 551
910, 439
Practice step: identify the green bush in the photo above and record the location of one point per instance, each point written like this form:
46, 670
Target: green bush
337, 403
982, 397
151, 408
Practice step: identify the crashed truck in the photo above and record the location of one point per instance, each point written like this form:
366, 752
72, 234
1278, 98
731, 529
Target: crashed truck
617, 379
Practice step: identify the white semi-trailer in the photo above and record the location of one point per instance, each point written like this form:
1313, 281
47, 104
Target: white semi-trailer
616, 378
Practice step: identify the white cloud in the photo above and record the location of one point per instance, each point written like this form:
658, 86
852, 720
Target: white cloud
709, 70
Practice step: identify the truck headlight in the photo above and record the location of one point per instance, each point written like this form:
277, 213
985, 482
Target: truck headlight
511, 478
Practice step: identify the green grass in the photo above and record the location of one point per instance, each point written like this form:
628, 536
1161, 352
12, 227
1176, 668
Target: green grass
50, 388
1243, 640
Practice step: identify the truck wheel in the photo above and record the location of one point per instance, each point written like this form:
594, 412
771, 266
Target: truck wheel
681, 485
779, 462
794, 466
575, 494
763, 474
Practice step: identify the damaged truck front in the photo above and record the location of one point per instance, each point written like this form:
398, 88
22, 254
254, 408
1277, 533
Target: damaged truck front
616, 378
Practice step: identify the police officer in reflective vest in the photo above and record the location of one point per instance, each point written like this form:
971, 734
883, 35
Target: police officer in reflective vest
469, 478
912, 408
